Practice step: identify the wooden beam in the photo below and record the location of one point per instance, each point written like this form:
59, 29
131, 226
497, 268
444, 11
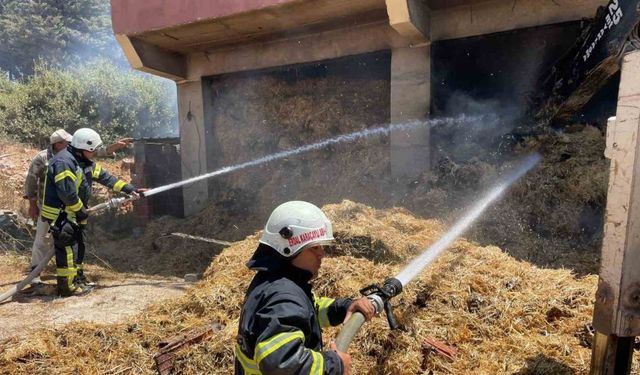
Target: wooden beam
410, 18
612, 355
153, 59
617, 307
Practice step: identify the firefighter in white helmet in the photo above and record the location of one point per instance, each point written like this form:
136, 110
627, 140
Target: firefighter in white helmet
67, 191
280, 328
34, 190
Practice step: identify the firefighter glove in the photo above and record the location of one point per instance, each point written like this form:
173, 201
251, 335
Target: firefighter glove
82, 215
65, 235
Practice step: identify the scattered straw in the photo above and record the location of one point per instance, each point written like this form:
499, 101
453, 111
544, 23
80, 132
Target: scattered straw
504, 316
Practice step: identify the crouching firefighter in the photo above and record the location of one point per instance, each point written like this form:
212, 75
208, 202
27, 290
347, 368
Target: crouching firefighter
68, 184
280, 328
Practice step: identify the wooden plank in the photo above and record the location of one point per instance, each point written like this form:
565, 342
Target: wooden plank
168, 347
611, 355
617, 308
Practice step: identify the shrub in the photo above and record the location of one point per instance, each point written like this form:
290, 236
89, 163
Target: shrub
116, 103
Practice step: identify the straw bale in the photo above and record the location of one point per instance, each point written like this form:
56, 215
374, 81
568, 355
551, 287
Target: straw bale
503, 315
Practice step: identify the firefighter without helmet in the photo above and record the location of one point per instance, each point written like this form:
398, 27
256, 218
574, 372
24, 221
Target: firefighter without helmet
86, 139
295, 225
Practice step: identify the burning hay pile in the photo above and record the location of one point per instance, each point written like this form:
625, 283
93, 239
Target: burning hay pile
503, 315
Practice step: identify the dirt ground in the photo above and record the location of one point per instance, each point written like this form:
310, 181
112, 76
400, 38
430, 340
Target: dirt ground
115, 297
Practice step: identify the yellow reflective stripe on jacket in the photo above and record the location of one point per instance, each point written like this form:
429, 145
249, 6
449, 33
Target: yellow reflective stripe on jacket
74, 207
317, 367
322, 305
264, 348
118, 186
49, 212
79, 178
248, 365
96, 171
64, 174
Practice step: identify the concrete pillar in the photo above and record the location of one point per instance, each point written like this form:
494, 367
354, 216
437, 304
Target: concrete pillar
616, 315
193, 144
410, 99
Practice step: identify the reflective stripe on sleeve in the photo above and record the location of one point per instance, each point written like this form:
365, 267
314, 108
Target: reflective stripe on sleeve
323, 313
96, 171
62, 175
49, 212
248, 365
264, 348
317, 368
75, 207
118, 186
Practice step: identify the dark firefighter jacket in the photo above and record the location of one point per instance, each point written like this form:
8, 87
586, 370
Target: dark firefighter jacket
68, 184
280, 330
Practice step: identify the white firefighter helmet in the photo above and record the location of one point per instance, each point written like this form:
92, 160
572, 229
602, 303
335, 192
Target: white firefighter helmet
86, 139
295, 225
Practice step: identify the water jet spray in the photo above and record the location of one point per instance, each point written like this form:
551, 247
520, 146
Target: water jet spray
345, 138
381, 295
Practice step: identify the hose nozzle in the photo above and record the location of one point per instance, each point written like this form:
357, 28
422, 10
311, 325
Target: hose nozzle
112, 203
380, 297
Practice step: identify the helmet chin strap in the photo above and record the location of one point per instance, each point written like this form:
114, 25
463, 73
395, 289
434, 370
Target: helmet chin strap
78, 154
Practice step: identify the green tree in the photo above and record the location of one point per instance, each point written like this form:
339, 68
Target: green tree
57, 31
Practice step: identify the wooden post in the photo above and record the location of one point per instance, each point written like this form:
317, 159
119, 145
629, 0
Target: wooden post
616, 316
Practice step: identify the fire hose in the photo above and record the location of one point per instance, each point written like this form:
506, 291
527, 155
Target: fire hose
380, 297
112, 203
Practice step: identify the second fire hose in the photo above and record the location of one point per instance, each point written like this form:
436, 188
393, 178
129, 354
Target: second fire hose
110, 204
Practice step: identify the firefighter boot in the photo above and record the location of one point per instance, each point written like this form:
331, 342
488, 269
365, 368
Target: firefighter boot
81, 280
67, 288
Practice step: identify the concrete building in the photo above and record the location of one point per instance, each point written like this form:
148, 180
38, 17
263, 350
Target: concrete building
193, 40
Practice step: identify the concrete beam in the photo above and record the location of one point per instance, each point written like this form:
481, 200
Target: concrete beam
152, 59
500, 15
410, 99
134, 16
193, 144
617, 307
316, 47
410, 18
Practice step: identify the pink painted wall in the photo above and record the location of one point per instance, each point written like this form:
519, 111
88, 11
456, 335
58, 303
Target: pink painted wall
132, 17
